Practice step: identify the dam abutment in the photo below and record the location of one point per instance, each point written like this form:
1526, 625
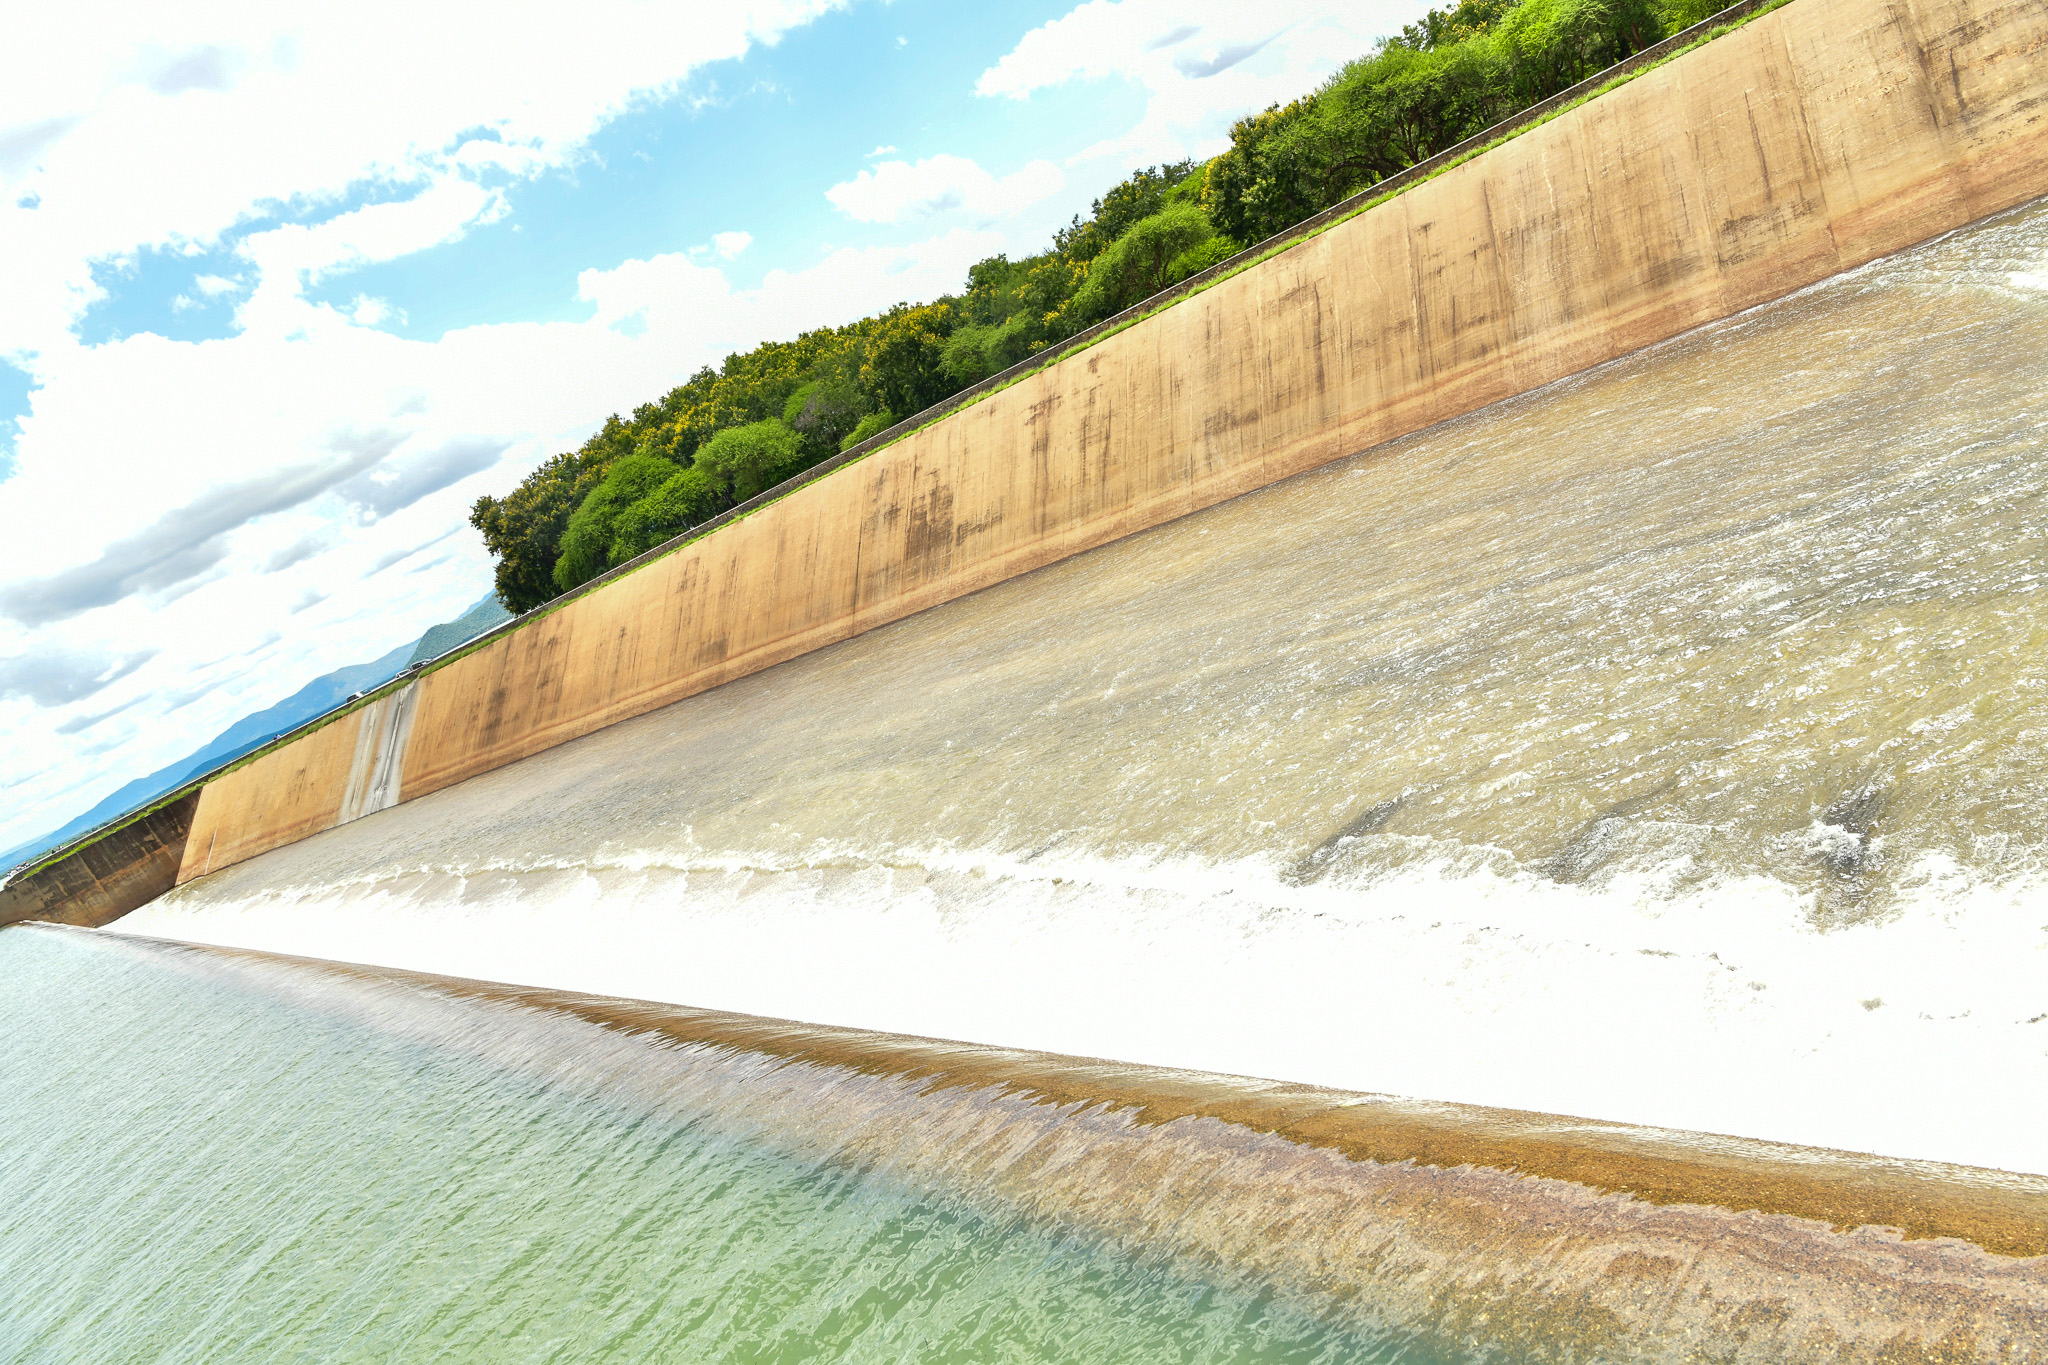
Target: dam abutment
126, 869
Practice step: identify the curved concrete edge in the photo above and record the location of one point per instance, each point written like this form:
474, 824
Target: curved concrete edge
1999, 1211
1513, 1235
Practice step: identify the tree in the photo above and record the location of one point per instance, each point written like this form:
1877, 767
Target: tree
587, 543
975, 352
1259, 187
1382, 114
822, 412
743, 461
524, 528
1137, 265
904, 370
687, 498
992, 286
1551, 45
1200, 257
1683, 14
1446, 27
1139, 196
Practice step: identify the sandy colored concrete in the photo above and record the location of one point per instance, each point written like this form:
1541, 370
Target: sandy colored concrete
1813, 140
109, 877
280, 798
2000, 1211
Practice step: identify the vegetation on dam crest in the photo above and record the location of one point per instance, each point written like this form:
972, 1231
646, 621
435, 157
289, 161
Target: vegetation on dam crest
726, 435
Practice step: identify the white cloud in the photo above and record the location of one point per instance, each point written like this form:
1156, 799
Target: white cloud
1202, 63
162, 125
191, 524
897, 190
289, 258
365, 311
393, 487
729, 245
199, 68
691, 311
314, 460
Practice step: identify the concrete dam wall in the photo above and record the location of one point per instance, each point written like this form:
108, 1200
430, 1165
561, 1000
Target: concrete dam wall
1813, 140
107, 878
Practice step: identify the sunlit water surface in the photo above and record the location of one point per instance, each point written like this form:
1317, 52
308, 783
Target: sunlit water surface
1665, 745
193, 1169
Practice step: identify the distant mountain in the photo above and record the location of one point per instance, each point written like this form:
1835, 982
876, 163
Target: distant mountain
258, 729
464, 628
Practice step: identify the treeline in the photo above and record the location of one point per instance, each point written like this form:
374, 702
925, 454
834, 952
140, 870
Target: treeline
761, 417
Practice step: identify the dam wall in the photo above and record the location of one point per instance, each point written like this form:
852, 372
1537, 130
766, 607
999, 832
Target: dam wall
107, 878
1812, 140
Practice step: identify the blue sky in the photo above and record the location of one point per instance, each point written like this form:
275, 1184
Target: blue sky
807, 112
15, 386
284, 292
746, 145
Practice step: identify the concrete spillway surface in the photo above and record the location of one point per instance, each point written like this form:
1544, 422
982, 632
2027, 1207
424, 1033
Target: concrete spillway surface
409, 1168
1663, 746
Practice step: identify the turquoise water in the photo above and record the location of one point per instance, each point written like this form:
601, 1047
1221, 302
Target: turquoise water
194, 1169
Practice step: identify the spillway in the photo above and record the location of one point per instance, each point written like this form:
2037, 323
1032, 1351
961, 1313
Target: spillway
1351, 920
372, 1186
404, 1167
1662, 746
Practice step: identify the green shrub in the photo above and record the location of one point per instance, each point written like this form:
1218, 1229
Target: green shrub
1137, 265
1200, 257
1683, 14
901, 367
821, 414
1551, 45
1140, 196
1262, 185
587, 544
977, 351
743, 461
688, 498
868, 426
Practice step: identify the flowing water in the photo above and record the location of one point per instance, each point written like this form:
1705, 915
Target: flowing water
203, 1166
213, 1156
1664, 745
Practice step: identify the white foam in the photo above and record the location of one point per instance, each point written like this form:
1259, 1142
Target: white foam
1718, 1008
1735, 638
